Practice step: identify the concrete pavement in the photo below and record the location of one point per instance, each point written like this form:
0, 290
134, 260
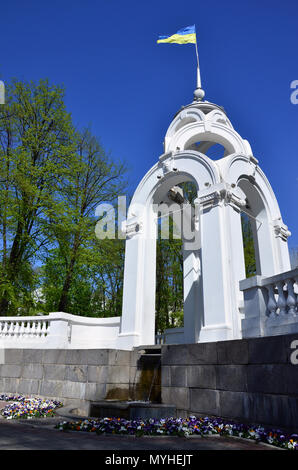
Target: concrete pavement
40, 434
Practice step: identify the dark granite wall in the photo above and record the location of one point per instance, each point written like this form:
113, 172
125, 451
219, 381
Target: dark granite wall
67, 375
252, 380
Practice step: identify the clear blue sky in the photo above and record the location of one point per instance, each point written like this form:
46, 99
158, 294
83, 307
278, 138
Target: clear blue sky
128, 88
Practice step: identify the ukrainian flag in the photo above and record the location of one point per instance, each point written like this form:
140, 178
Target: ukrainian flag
183, 36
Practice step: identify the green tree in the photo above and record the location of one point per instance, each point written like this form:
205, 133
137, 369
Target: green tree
248, 246
107, 273
97, 280
51, 180
36, 152
169, 284
95, 179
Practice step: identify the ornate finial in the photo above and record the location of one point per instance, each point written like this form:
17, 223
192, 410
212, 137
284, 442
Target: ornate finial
199, 94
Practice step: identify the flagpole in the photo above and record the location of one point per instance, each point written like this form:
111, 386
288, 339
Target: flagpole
198, 66
198, 93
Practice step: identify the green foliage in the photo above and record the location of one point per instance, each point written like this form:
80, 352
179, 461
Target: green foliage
97, 280
52, 177
248, 245
95, 179
36, 151
169, 284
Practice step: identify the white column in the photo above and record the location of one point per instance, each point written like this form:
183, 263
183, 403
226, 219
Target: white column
235, 257
215, 268
193, 298
147, 333
282, 233
266, 257
138, 310
193, 308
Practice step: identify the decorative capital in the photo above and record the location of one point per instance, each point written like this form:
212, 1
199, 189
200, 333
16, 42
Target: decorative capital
210, 200
222, 196
132, 227
166, 163
230, 198
281, 230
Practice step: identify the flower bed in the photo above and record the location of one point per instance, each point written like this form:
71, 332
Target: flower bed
28, 408
184, 427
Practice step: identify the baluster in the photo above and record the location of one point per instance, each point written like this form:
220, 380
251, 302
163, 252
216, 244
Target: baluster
11, 329
22, 328
28, 329
291, 300
38, 329
17, 328
281, 301
34, 328
272, 307
5, 328
44, 328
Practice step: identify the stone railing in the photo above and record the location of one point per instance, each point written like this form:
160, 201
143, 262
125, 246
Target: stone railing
270, 304
171, 336
160, 338
24, 327
59, 330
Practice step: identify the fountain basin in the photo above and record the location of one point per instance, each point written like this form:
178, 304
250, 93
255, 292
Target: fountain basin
130, 409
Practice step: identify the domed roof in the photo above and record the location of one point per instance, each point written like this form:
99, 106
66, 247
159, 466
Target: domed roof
200, 125
205, 106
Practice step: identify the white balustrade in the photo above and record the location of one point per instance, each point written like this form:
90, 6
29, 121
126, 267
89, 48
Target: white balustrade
292, 299
271, 304
59, 330
160, 338
282, 299
171, 336
20, 328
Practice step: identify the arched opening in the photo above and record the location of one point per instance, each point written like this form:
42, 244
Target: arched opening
216, 152
215, 148
257, 239
169, 281
248, 245
170, 292
139, 287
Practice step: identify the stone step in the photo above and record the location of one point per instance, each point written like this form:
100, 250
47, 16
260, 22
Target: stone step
151, 349
158, 356
148, 346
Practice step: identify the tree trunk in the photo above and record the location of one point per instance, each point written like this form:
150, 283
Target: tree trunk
4, 306
64, 298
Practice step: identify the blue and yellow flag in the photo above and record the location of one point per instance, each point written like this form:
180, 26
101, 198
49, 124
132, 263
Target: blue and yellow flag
183, 36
